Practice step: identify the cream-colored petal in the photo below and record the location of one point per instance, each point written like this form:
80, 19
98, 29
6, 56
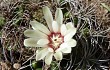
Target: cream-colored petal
66, 50
30, 33
50, 50
40, 54
43, 41
63, 29
73, 30
59, 16
30, 42
48, 58
58, 55
68, 37
68, 44
48, 17
70, 33
55, 26
62, 46
71, 43
39, 26
34, 34
69, 25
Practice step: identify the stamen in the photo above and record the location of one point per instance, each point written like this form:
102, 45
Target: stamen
55, 40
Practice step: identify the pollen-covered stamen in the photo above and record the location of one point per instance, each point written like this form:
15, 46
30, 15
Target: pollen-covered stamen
55, 40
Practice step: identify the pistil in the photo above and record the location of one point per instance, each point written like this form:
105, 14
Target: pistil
55, 40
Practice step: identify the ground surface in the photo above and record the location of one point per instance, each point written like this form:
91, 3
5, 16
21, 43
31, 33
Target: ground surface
90, 17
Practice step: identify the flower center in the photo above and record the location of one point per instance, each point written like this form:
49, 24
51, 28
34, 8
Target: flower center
55, 40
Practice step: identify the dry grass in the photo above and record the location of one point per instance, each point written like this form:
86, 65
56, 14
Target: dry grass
93, 34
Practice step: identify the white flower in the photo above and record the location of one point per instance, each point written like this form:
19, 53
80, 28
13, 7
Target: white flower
54, 40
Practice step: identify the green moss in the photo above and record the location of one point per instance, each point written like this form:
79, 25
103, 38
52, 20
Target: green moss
54, 65
2, 20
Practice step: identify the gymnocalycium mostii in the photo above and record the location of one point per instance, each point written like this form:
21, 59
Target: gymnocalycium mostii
54, 40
